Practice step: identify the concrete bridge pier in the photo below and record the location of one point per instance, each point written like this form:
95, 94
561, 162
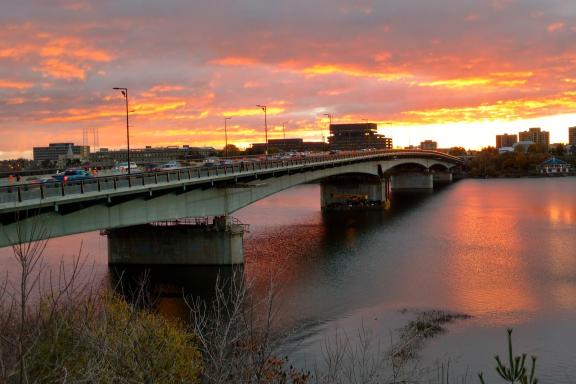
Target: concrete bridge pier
442, 177
216, 241
412, 180
355, 192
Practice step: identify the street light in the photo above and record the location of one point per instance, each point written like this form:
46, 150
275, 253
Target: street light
329, 124
263, 107
284, 133
226, 137
125, 94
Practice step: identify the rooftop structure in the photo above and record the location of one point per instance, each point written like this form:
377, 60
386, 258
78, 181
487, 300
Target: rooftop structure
357, 136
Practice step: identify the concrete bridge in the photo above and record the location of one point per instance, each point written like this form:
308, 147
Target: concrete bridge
126, 201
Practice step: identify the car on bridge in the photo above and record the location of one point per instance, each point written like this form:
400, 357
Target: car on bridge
123, 167
169, 166
40, 179
72, 175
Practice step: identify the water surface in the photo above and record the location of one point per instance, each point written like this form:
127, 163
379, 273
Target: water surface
503, 251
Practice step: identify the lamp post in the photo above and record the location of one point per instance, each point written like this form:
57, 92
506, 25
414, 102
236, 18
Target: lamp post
125, 94
226, 137
329, 124
263, 107
284, 133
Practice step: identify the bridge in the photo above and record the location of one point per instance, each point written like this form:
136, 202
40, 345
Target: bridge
124, 201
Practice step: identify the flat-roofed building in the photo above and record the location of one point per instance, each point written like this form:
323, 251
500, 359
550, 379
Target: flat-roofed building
536, 135
429, 145
151, 154
506, 140
286, 145
357, 136
56, 151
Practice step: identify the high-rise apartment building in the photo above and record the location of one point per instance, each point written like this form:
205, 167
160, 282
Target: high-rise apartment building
536, 136
506, 140
572, 135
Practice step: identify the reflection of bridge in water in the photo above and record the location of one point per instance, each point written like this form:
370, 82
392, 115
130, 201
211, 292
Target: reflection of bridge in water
131, 202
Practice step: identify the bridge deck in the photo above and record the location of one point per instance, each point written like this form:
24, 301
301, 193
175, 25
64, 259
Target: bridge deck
31, 196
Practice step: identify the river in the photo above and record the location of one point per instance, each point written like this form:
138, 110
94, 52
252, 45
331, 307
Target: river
501, 251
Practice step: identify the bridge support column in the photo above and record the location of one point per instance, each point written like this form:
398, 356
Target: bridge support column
355, 192
441, 177
412, 180
219, 242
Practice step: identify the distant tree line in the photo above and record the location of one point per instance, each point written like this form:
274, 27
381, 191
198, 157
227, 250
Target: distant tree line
490, 163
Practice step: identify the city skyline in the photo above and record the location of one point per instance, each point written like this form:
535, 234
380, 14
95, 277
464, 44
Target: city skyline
452, 72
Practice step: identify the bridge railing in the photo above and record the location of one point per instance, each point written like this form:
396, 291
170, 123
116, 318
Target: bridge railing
24, 192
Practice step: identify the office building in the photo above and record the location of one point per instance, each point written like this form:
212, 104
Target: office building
429, 145
58, 151
505, 140
357, 136
151, 155
535, 135
288, 145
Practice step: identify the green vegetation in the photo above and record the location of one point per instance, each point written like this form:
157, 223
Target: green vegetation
517, 371
108, 341
58, 329
489, 163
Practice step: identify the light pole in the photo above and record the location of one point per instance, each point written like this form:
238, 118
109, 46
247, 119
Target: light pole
125, 93
226, 137
329, 124
284, 133
263, 107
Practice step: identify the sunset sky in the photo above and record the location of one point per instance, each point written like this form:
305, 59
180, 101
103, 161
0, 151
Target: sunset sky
455, 71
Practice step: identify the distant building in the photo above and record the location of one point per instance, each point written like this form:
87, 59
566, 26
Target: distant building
357, 136
535, 135
572, 136
429, 145
151, 155
287, 145
524, 145
554, 166
506, 140
502, 150
58, 151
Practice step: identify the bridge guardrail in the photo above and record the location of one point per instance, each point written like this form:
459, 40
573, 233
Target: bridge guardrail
23, 192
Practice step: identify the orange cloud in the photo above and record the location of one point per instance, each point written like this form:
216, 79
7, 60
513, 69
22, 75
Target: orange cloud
555, 26
502, 110
252, 111
511, 80
60, 70
73, 47
165, 88
328, 69
11, 84
234, 61
73, 114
